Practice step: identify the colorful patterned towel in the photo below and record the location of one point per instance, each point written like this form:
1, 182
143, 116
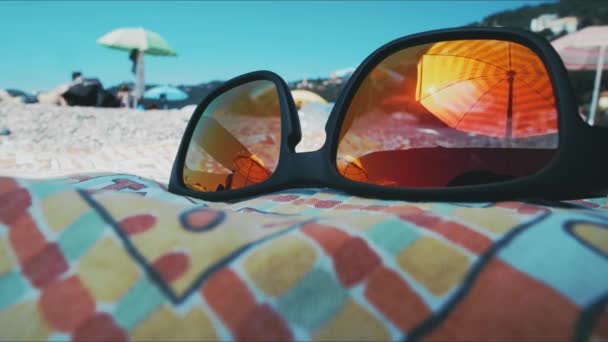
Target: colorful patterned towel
117, 257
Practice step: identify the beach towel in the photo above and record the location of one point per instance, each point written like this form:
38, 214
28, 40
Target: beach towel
116, 257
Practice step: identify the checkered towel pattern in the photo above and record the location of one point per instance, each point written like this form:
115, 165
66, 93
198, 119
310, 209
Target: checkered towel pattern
117, 257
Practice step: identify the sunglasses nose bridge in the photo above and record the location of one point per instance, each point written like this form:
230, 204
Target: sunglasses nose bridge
307, 169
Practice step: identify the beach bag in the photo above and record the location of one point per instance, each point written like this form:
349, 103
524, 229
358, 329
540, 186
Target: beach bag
89, 92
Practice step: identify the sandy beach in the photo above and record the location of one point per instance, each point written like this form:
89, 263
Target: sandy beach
51, 141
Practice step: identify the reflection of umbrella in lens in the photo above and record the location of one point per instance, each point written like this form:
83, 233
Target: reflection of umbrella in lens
171, 93
495, 88
251, 168
352, 168
256, 98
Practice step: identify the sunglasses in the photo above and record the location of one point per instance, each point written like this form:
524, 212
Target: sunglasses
475, 114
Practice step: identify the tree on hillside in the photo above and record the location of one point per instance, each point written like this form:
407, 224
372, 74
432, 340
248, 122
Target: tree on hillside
589, 12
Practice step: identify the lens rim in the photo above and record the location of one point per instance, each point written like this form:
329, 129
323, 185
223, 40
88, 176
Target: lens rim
571, 127
290, 132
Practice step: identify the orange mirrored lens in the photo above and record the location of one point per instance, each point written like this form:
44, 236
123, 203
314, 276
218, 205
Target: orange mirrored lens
236, 142
450, 113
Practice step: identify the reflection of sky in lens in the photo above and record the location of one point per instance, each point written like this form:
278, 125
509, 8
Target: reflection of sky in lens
43, 42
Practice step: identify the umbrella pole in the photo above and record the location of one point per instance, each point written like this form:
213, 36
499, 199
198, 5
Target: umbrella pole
596, 86
510, 109
139, 77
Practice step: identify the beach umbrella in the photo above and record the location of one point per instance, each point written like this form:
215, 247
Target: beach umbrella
171, 93
247, 170
140, 41
586, 50
495, 88
304, 97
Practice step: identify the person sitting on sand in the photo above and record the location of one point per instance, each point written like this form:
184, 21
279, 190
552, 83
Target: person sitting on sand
124, 96
54, 96
76, 78
8, 98
163, 101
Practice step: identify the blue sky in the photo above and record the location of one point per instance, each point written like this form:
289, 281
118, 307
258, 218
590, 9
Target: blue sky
43, 42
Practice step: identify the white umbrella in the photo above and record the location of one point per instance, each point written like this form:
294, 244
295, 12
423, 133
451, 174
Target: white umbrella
586, 50
145, 42
304, 97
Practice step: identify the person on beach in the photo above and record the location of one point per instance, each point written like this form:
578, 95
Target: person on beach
6, 97
124, 96
76, 77
133, 58
164, 104
55, 96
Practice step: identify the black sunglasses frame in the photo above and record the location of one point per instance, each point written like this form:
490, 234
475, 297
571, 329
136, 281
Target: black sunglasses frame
577, 171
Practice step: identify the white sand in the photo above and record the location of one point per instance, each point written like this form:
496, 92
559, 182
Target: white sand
50, 141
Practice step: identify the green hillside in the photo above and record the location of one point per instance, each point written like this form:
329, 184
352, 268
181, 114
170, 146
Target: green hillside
589, 12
